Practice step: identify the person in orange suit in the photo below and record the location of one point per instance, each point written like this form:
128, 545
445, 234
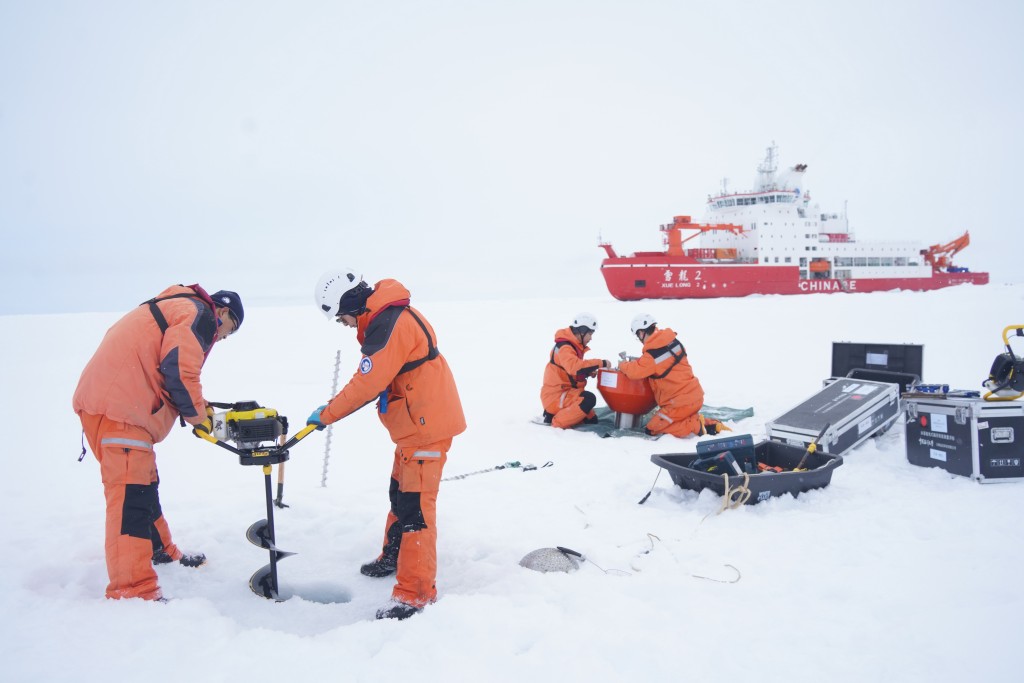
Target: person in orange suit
418, 402
563, 396
677, 391
144, 376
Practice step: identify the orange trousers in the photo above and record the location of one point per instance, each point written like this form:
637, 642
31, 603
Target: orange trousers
412, 520
569, 412
135, 525
681, 422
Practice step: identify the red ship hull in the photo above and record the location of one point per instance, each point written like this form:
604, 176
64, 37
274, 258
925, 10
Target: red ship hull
631, 278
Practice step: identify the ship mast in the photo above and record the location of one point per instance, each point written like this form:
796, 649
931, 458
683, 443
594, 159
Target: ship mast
766, 171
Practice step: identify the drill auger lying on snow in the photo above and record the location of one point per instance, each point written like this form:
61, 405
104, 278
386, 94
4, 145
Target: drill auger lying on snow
250, 426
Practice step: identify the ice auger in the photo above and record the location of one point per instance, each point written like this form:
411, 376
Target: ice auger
259, 435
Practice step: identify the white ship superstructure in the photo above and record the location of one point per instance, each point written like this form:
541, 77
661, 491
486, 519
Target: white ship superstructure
784, 226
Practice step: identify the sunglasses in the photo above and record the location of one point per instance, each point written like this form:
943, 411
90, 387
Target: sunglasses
234, 323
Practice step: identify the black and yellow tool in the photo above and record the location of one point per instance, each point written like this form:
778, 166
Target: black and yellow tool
1006, 378
812, 448
251, 426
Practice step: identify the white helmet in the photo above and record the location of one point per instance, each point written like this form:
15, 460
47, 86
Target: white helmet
340, 291
642, 322
584, 320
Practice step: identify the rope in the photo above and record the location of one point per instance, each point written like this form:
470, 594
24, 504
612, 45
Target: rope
708, 578
651, 538
507, 466
330, 427
732, 497
735, 497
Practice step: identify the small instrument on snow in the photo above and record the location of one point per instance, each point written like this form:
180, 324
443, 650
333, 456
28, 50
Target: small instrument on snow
259, 435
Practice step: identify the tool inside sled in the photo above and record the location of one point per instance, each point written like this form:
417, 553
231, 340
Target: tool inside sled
259, 435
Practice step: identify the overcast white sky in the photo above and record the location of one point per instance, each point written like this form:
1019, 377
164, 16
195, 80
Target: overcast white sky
477, 149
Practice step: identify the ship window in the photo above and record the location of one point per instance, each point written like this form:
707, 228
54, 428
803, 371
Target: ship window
803, 274
860, 261
873, 262
803, 262
640, 284
789, 260
901, 260
887, 261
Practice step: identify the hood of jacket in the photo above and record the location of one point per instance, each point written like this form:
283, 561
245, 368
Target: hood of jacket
565, 335
386, 293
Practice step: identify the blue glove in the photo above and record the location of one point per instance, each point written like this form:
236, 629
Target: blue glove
314, 417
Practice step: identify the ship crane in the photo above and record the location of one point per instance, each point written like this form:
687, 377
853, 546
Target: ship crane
940, 256
674, 232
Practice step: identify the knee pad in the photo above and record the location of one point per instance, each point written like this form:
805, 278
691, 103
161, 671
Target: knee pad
409, 512
587, 401
141, 508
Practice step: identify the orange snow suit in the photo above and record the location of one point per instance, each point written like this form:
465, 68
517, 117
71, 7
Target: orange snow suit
676, 390
418, 403
137, 383
565, 378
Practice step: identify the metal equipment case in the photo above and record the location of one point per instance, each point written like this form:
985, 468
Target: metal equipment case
854, 409
967, 436
898, 363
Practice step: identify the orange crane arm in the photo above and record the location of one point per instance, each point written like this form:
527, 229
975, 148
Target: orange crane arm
941, 255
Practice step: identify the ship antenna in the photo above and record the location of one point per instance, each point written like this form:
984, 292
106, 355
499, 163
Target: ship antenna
767, 168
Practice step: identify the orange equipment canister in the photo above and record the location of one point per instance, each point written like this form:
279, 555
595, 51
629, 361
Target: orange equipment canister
629, 398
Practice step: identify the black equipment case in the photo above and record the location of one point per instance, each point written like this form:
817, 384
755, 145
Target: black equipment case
967, 436
898, 363
853, 409
860, 399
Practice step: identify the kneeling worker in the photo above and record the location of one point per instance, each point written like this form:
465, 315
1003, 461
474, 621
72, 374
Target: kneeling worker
565, 402
676, 390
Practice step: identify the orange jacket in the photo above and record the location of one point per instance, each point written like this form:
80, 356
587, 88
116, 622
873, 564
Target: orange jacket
566, 372
400, 357
145, 377
663, 353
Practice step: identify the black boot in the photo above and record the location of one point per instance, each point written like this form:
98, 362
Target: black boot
397, 610
385, 565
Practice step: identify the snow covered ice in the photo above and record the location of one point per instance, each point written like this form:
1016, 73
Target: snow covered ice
893, 571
